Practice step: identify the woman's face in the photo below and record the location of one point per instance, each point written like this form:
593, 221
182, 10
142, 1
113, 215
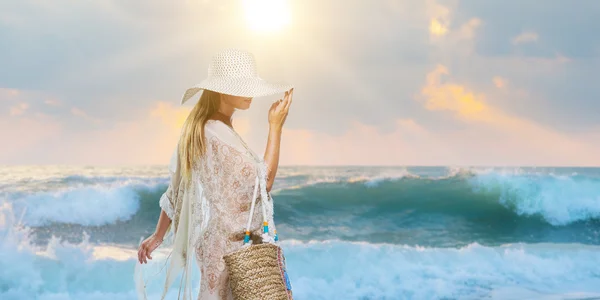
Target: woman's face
236, 101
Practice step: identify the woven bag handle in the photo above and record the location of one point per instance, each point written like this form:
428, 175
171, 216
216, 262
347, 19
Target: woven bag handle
264, 212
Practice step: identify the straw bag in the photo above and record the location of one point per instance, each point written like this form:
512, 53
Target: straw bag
258, 271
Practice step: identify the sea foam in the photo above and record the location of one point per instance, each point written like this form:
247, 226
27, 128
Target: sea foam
317, 269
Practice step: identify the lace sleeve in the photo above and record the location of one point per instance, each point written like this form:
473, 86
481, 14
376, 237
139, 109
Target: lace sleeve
167, 200
267, 170
166, 204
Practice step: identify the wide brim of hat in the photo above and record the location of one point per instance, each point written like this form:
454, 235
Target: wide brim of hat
243, 87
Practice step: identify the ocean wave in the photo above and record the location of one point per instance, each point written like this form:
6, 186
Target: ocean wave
91, 205
558, 199
322, 270
368, 179
317, 269
62, 270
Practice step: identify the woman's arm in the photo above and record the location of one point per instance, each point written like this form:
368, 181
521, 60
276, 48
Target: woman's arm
272, 154
167, 206
277, 116
162, 225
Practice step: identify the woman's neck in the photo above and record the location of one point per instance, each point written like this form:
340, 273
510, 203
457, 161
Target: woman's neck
227, 119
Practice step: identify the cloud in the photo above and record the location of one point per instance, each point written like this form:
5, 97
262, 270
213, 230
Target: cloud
24, 136
7, 94
52, 102
115, 78
410, 143
525, 37
362, 144
149, 139
19, 109
467, 30
453, 97
490, 136
436, 28
452, 36
170, 115
78, 112
530, 141
500, 82
82, 114
439, 16
441, 19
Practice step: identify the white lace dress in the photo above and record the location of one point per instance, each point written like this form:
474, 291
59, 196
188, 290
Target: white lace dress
223, 182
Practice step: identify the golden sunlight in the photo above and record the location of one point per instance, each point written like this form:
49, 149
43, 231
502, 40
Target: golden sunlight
267, 15
436, 28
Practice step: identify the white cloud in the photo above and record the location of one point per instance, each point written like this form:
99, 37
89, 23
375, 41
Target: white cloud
439, 16
525, 37
500, 82
147, 140
19, 109
82, 114
53, 102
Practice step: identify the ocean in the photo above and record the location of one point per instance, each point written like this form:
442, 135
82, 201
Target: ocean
347, 232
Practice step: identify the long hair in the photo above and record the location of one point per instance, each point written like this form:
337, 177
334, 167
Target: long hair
191, 142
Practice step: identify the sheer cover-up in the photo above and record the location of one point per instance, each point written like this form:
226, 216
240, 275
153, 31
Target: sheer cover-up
209, 213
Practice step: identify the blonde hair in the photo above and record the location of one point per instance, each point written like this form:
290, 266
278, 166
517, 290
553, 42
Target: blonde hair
191, 142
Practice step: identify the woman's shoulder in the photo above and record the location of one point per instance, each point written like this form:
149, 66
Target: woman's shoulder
217, 130
214, 127
210, 123
221, 133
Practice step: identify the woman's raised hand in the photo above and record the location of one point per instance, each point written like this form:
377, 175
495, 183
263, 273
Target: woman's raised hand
146, 248
279, 110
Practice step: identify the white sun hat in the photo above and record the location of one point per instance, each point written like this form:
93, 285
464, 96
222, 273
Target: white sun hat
233, 71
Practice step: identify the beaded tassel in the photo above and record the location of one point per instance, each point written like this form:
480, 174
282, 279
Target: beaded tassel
247, 237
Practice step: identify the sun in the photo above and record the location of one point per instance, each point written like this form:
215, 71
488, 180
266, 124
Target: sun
267, 15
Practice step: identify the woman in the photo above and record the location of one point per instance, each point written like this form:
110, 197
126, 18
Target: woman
214, 175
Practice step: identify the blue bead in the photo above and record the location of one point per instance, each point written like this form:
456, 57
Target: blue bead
287, 281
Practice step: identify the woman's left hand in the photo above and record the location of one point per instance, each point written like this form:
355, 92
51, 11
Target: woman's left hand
146, 248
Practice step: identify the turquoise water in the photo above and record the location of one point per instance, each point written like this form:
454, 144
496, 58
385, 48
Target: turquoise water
348, 232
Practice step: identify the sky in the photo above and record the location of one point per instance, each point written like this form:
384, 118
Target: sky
403, 82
